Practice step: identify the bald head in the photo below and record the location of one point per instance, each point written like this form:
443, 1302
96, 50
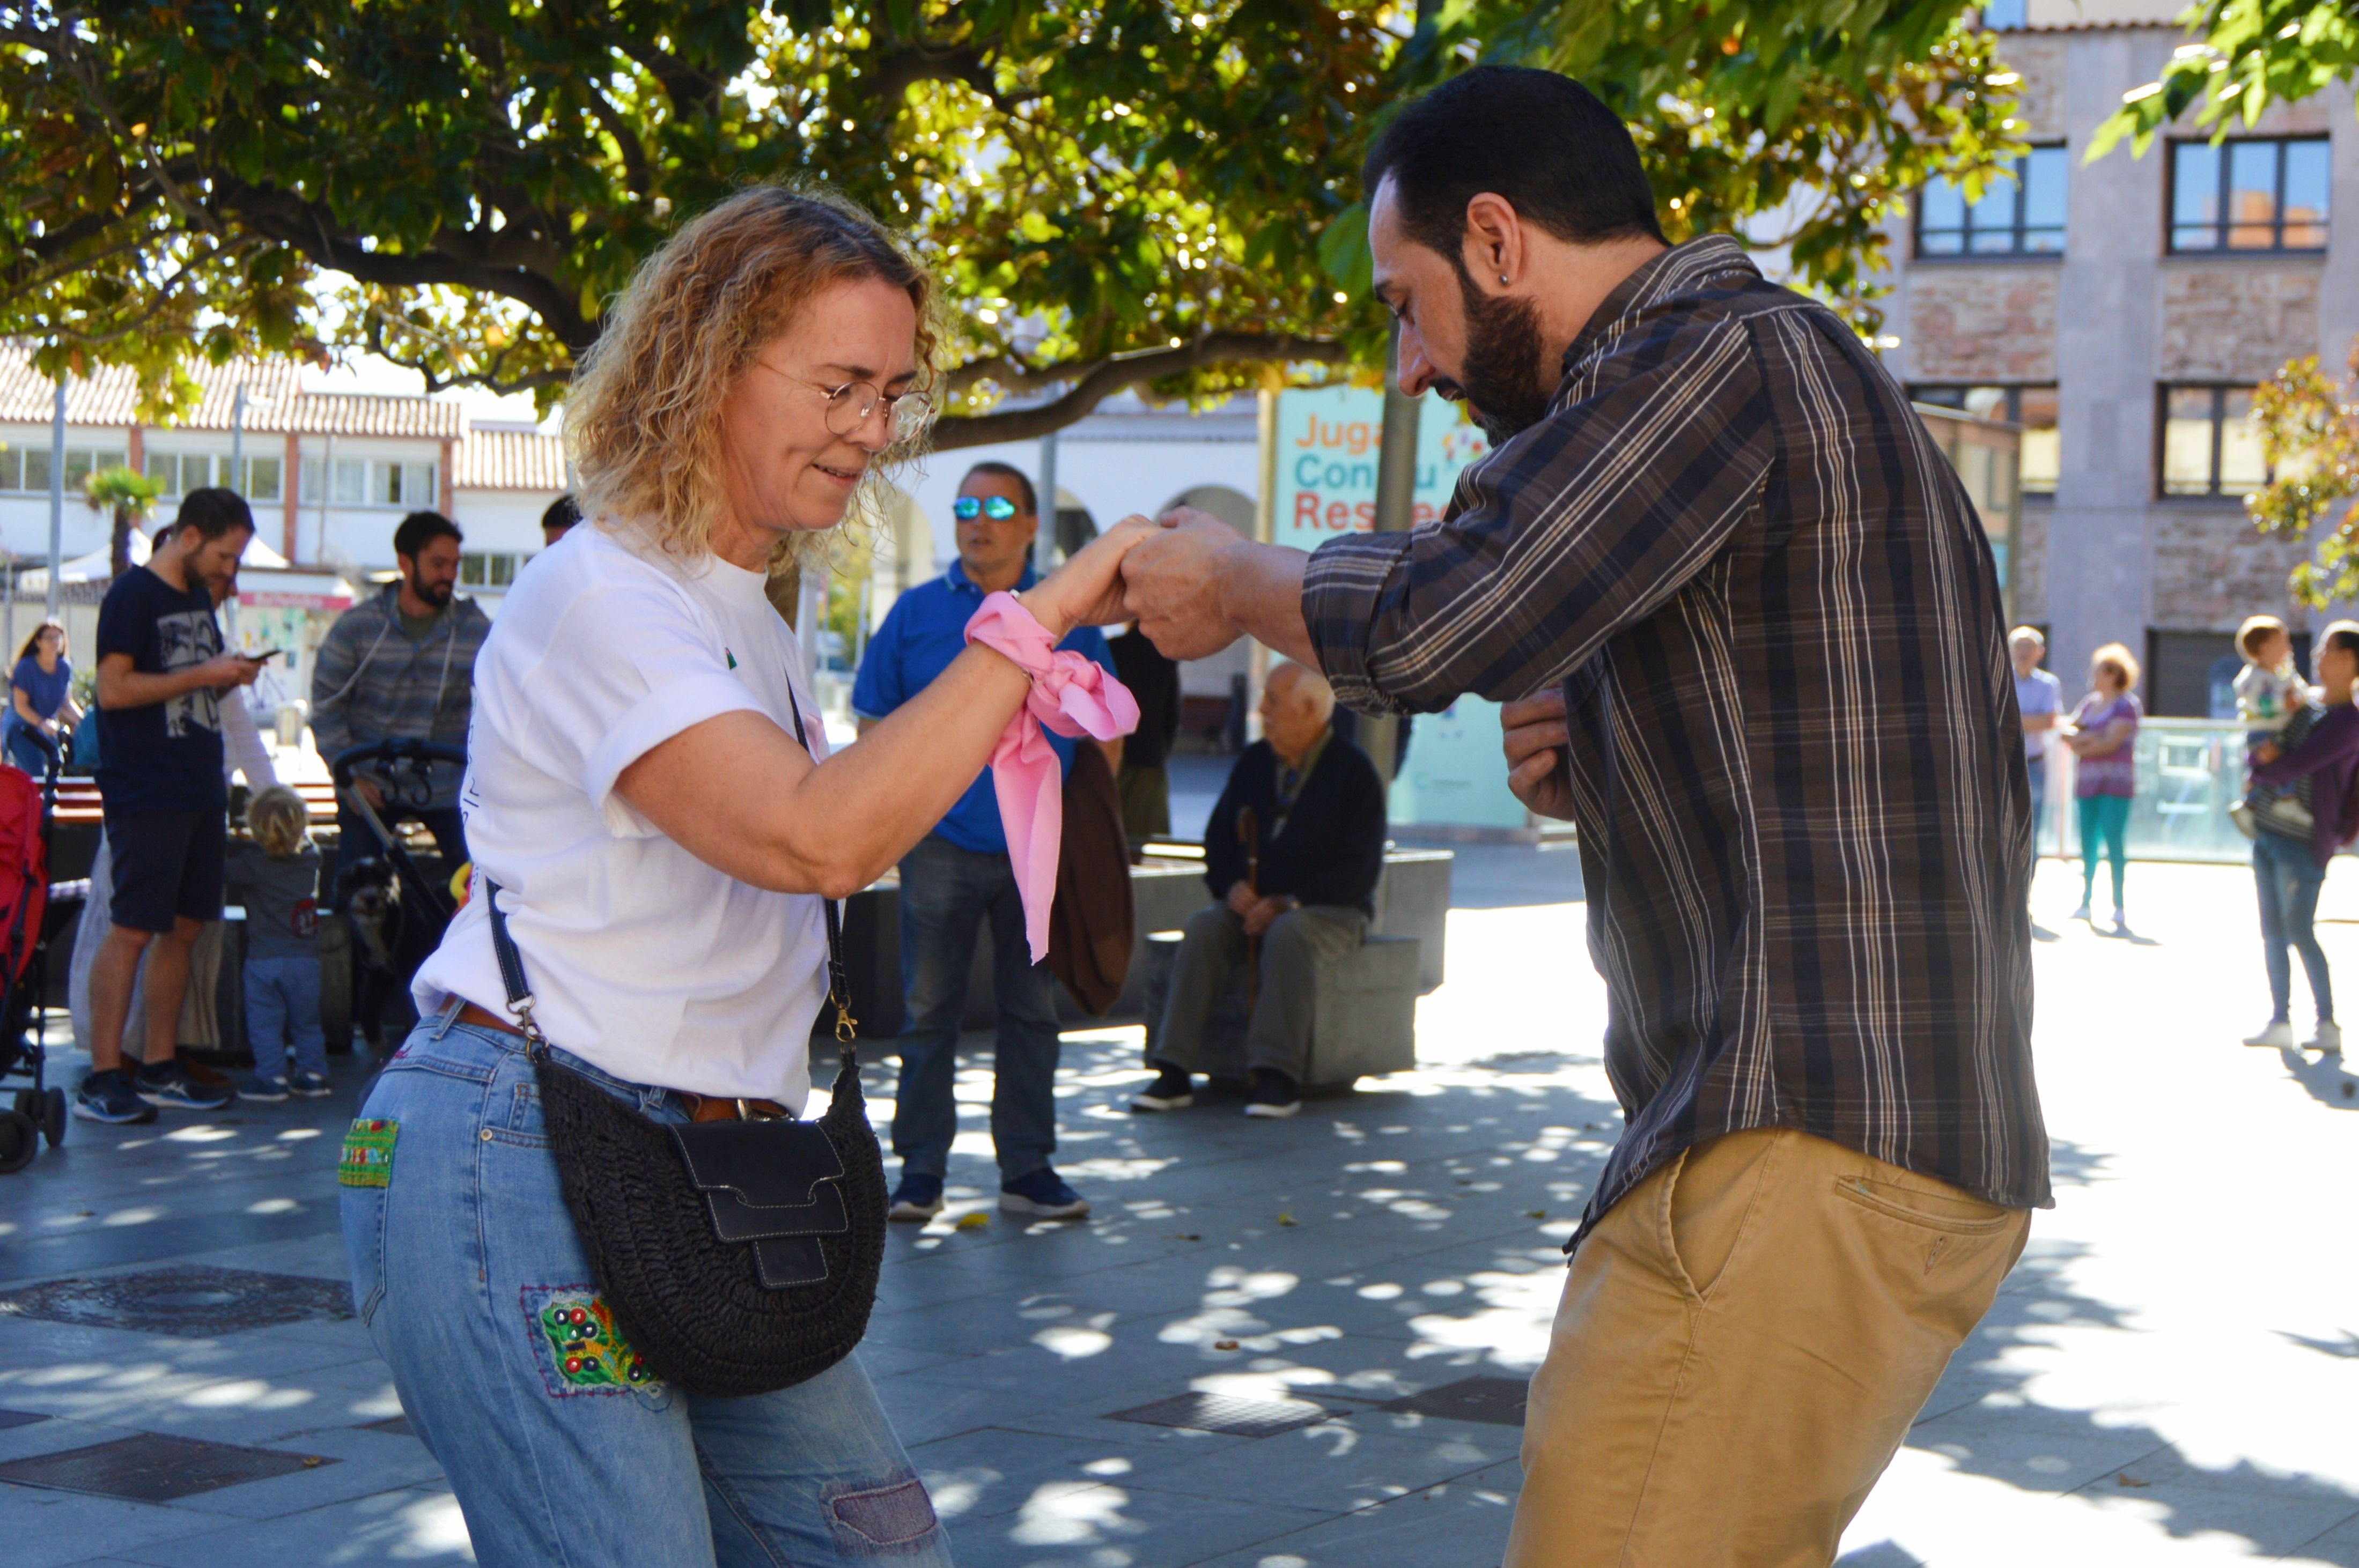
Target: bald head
1296, 705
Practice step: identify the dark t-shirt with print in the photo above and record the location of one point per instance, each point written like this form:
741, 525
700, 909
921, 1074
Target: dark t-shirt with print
166, 756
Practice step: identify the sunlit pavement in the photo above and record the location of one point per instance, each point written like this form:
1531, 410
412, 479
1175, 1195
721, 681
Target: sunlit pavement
2168, 1379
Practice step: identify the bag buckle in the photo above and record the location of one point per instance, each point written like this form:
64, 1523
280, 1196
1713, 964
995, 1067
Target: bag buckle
520, 1009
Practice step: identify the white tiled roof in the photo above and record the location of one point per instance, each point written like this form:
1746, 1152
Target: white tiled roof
277, 402
497, 459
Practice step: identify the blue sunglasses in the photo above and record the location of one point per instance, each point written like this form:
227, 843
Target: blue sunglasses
967, 508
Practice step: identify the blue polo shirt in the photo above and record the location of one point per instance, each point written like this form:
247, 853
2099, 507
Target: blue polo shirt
924, 631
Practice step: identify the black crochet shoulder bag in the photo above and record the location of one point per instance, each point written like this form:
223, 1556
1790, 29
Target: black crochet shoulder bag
738, 1256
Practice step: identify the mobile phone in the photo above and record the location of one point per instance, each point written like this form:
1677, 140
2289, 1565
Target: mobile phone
265, 656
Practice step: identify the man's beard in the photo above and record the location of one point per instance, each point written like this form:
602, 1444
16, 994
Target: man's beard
436, 594
1502, 383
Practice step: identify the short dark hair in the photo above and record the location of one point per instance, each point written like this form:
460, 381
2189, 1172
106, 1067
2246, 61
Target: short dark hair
1561, 159
421, 529
213, 511
563, 513
1009, 470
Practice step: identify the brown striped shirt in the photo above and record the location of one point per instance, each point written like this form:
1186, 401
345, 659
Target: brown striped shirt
1797, 766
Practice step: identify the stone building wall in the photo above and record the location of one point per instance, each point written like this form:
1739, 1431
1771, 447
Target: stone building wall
2236, 320
2212, 568
1982, 322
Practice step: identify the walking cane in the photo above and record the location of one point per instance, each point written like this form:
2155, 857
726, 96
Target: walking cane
1248, 829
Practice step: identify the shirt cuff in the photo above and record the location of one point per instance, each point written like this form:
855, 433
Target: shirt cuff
1342, 584
653, 719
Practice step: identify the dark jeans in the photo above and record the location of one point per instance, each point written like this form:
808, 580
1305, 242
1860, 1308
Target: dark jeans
947, 893
2039, 770
2288, 879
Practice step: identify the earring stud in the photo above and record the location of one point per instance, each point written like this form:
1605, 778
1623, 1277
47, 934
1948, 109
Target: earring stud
1503, 277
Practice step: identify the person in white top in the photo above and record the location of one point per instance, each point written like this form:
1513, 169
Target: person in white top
661, 838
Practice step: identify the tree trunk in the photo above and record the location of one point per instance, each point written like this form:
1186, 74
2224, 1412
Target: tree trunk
119, 551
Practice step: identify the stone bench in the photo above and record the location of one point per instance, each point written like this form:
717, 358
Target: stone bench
1363, 1013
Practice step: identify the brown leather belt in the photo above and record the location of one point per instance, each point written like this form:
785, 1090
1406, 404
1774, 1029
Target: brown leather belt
699, 1108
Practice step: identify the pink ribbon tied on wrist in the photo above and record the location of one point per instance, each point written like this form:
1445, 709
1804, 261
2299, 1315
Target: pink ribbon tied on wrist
1072, 695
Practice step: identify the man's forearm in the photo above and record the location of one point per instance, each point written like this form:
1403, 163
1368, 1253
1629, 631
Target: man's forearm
1261, 593
139, 688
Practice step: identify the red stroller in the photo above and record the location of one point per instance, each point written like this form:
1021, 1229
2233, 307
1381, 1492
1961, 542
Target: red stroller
29, 916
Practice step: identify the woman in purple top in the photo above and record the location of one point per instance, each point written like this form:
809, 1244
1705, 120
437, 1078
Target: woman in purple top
2102, 733
2289, 871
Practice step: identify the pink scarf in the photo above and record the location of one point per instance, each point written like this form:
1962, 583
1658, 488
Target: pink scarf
1072, 695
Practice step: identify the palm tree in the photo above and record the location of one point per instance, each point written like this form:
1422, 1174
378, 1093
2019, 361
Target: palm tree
131, 497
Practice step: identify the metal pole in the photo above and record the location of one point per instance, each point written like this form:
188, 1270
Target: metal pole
1265, 533
237, 441
57, 497
1044, 542
1396, 514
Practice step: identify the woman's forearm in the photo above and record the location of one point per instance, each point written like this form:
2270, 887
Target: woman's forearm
23, 705
740, 794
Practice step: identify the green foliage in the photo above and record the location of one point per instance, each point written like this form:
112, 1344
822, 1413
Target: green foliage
2310, 437
131, 496
1116, 192
2246, 55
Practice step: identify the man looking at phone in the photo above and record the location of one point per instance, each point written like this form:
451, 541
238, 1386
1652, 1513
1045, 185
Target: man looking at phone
402, 666
161, 673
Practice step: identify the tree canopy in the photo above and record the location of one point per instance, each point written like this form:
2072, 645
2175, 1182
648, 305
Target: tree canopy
1117, 193
2243, 56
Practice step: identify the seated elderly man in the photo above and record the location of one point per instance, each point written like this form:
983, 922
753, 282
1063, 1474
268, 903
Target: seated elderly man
1292, 852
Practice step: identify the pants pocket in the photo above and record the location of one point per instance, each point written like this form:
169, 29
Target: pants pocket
364, 1224
1952, 1213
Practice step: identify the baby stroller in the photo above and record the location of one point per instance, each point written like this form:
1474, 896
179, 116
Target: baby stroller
386, 913
29, 916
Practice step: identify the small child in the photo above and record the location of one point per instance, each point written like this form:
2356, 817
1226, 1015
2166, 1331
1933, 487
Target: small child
2270, 695
276, 877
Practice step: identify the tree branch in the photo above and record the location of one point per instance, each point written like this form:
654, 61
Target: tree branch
1107, 377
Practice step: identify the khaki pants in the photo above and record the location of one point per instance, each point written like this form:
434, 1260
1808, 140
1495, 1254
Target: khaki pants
1741, 1344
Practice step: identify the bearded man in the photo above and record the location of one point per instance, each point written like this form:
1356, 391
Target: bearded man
402, 665
1749, 634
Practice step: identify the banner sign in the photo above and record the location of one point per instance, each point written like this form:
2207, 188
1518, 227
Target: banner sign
1328, 443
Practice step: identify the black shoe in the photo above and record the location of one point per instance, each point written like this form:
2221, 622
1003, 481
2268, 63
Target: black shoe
109, 1097
918, 1199
1173, 1089
168, 1084
1273, 1094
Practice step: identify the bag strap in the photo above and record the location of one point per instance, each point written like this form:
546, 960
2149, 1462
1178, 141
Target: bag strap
520, 1001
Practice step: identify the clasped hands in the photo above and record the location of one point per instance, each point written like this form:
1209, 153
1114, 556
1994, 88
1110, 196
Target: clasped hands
1166, 575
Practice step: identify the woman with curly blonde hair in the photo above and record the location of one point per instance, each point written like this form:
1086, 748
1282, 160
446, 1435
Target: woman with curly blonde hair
651, 802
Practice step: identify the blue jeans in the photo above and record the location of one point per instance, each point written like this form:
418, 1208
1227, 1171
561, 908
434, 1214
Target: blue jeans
2288, 879
466, 1270
282, 1011
2039, 770
947, 892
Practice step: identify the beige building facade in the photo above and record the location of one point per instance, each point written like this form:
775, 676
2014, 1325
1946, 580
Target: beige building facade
2121, 312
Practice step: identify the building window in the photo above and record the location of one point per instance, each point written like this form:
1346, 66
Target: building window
2022, 216
362, 481
180, 472
2209, 445
2253, 194
2005, 16
488, 569
2032, 409
26, 470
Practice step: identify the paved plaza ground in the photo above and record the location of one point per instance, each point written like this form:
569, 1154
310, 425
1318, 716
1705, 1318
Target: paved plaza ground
2167, 1380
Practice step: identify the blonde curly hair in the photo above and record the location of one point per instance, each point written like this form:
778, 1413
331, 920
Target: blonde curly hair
642, 416
279, 820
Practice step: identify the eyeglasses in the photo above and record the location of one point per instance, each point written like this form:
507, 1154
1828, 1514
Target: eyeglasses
852, 405
967, 508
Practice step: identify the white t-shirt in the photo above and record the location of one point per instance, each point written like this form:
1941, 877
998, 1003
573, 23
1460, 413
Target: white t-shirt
642, 959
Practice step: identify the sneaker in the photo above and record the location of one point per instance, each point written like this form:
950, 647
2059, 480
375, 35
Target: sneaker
1273, 1094
109, 1097
2277, 1035
2327, 1038
2121, 921
2081, 913
310, 1085
917, 1200
170, 1085
1044, 1195
264, 1090
1173, 1089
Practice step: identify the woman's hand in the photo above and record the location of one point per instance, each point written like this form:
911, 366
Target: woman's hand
1087, 590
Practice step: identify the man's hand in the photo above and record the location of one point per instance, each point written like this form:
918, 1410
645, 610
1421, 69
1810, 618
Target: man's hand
226, 671
1241, 896
1087, 590
368, 790
2266, 752
1265, 912
1533, 735
1171, 584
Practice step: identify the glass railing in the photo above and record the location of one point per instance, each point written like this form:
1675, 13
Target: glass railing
2188, 771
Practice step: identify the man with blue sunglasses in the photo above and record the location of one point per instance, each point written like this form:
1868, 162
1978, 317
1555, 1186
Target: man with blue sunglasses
959, 876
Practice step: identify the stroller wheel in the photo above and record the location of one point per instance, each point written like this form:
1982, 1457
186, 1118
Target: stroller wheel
28, 1104
54, 1120
19, 1141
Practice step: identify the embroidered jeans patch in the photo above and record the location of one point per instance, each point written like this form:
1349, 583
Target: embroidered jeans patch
589, 1351
367, 1158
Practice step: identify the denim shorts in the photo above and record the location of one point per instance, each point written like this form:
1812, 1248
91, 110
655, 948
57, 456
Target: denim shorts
559, 1444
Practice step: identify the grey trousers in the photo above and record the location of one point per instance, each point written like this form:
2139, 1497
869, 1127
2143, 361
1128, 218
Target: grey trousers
1293, 947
